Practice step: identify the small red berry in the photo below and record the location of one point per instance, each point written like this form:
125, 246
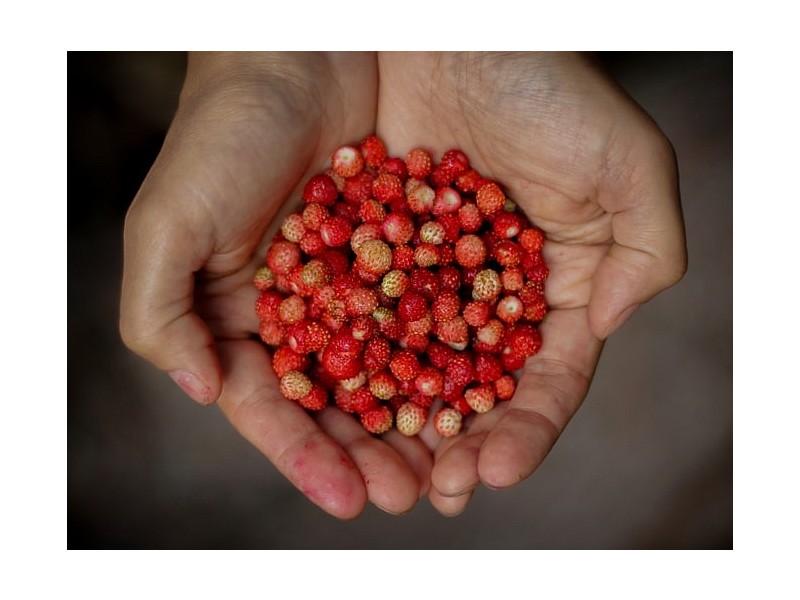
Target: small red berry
347, 161
490, 199
294, 385
387, 188
320, 189
410, 418
480, 399
404, 365
470, 251
419, 163
447, 422
373, 150
378, 420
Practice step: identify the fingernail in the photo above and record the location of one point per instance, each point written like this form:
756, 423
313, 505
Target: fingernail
193, 386
620, 320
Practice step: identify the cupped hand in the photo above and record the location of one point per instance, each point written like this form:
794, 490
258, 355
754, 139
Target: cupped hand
249, 131
590, 168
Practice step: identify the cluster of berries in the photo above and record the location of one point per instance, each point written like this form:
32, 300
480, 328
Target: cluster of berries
400, 282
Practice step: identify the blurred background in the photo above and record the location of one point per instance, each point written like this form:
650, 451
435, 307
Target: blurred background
645, 463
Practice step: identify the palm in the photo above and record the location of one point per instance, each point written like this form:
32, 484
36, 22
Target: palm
550, 140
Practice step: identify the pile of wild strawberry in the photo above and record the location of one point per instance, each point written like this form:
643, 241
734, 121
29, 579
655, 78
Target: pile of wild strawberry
400, 282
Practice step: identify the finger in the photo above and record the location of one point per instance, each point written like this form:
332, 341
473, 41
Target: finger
640, 190
416, 455
392, 484
552, 386
283, 431
450, 506
156, 306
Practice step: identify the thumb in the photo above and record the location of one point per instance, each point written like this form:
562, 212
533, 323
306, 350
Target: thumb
162, 253
648, 253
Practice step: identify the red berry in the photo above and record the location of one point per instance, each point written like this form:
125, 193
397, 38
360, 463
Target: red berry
358, 188
377, 354
378, 420
504, 387
383, 384
480, 399
470, 251
404, 365
362, 401
429, 381
490, 199
347, 161
447, 422
374, 151
320, 189
374, 257
387, 188
410, 418
294, 385
419, 163
412, 306
283, 256
284, 359
316, 399
488, 368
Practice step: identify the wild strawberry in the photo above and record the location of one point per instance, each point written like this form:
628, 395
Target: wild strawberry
398, 228
395, 166
446, 306
374, 151
536, 310
440, 176
364, 232
387, 188
447, 422
486, 286
523, 339
308, 336
311, 243
453, 332
336, 260
395, 283
378, 420
512, 279
404, 365
440, 354
504, 387
488, 368
489, 336
293, 227
294, 385
470, 218
351, 384
508, 225
480, 399
532, 239
403, 258
419, 163
425, 282
340, 365
510, 309
421, 399
507, 253
283, 256
347, 161
470, 251
363, 401
358, 188
420, 199
432, 232
361, 301
272, 333
534, 268
477, 313
292, 310
347, 211
284, 359
320, 189
316, 399
343, 341
316, 274
449, 278
446, 201
314, 215
490, 199
372, 211
460, 404
337, 179
416, 342
410, 418
460, 370
343, 399
455, 162
264, 278
426, 255
374, 257
429, 381
467, 181
412, 306
422, 326
377, 354
336, 231
363, 327
382, 384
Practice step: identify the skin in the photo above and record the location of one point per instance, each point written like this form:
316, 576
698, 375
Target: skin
580, 158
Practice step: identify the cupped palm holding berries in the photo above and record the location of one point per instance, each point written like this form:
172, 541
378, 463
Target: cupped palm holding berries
401, 282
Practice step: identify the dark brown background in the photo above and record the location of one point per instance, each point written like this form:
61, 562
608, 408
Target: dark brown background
646, 463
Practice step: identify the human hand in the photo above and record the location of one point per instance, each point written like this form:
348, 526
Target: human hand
595, 173
249, 131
